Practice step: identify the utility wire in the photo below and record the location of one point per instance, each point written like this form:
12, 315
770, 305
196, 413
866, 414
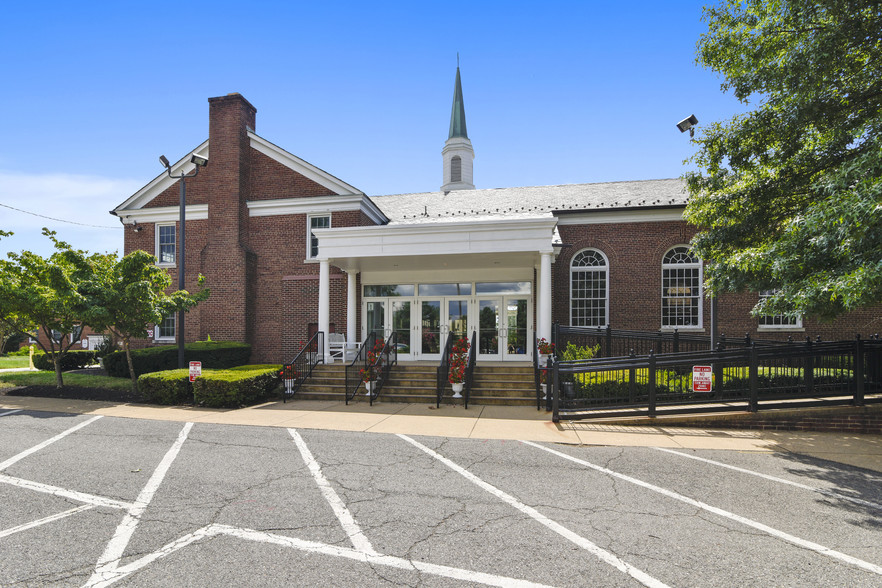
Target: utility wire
56, 219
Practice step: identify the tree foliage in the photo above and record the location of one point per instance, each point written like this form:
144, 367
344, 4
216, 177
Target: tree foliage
789, 194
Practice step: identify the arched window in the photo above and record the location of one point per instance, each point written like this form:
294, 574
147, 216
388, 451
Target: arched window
455, 169
589, 289
681, 288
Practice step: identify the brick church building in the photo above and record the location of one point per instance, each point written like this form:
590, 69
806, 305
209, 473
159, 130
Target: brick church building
288, 249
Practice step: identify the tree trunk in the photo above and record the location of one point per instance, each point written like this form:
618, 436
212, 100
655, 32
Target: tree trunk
131, 366
56, 361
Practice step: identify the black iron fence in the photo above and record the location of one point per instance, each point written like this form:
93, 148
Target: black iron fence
609, 342
470, 369
296, 372
795, 374
357, 370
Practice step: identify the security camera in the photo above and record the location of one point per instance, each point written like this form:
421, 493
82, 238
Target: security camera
137, 228
199, 160
686, 125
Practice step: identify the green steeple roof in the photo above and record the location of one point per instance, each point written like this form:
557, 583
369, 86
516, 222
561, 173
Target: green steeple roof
457, 114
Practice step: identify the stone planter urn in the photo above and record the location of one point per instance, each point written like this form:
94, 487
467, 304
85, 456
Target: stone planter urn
457, 389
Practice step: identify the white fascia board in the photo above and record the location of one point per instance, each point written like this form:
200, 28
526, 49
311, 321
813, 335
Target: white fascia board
165, 214
497, 236
622, 216
161, 183
315, 204
302, 167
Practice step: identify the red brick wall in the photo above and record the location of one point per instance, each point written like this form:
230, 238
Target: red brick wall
635, 251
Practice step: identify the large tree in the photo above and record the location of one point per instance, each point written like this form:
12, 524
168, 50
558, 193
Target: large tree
41, 293
123, 296
788, 196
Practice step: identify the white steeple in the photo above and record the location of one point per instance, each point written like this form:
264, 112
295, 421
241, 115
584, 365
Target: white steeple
457, 154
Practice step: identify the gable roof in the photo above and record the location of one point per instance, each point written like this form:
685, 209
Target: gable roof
530, 202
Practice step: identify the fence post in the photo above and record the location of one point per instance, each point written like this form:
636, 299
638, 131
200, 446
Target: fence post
609, 352
858, 371
753, 402
809, 367
676, 341
632, 383
651, 383
555, 391
548, 397
718, 373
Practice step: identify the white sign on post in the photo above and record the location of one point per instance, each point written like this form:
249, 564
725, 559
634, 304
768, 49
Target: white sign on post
195, 370
702, 378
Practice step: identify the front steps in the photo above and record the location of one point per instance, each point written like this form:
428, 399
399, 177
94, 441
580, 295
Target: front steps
510, 385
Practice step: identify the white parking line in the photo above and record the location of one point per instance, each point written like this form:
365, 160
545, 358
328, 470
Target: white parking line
318, 548
870, 567
46, 443
3, 414
65, 493
823, 491
347, 521
113, 553
49, 519
599, 552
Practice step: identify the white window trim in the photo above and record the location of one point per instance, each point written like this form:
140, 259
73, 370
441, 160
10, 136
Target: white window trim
157, 337
156, 245
796, 328
605, 268
666, 266
309, 217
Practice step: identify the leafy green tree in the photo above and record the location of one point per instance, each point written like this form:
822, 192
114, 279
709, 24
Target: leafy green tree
789, 195
41, 293
123, 296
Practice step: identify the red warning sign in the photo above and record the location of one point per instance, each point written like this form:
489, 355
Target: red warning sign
702, 378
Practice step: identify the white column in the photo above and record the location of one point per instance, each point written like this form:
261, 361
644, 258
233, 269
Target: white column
324, 305
351, 310
543, 321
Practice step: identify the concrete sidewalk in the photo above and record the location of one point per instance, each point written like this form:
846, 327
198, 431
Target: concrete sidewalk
479, 422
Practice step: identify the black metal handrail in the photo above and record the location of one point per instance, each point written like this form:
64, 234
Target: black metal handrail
382, 365
470, 369
443, 370
355, 369
295, 372
799, 375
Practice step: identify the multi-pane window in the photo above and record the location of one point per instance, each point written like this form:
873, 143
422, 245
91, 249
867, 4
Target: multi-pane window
317, 222
778, 321
681, 288
166, 329
589, 289
165, 243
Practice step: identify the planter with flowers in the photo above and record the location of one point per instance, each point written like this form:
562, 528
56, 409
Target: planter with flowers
374, 362
459, 357
545, 349
288, 374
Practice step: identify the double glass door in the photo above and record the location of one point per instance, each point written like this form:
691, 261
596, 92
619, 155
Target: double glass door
504, 328
423, 324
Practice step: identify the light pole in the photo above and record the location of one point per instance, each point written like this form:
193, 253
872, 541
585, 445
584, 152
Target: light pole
198, 161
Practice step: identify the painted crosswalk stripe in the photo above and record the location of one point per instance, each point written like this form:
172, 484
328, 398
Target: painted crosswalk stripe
16, 458
43, 521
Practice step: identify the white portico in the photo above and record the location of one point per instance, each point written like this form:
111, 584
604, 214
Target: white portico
424, 280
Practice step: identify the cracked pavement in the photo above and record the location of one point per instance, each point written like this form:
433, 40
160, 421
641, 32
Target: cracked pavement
241, 505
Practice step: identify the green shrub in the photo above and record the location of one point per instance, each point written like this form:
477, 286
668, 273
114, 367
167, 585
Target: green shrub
217, 355
234, 387
23, 352
72, 360
168, 387
573, 352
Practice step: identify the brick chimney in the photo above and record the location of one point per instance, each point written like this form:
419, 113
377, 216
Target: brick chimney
225, 259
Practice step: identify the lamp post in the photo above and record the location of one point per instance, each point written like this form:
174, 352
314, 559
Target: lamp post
198, 161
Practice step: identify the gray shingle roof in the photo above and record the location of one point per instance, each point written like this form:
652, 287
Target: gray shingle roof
530, 202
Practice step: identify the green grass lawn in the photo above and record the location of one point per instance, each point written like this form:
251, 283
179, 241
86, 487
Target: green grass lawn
48, 379
13, 362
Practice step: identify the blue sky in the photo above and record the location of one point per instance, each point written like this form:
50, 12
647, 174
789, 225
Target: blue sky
573, 92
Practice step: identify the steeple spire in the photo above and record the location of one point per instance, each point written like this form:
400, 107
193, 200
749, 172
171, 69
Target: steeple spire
457, 155
457, 113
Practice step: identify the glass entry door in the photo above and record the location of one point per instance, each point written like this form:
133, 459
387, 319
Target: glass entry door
488, 329
504, 328
375, 317
430, 329
382, 317
517, 327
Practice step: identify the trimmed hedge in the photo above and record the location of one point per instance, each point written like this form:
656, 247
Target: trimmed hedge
228, 388
72, 360
216, 355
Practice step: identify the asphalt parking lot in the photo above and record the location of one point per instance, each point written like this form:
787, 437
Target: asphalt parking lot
98, 501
